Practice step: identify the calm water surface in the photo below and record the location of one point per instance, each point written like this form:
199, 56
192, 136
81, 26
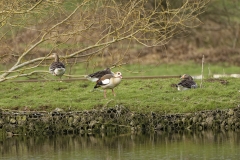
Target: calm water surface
169, 146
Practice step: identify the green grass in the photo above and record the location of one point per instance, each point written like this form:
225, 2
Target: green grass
138, 95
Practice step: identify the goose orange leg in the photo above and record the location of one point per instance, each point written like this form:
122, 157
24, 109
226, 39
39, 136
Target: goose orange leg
105, 93
113, 93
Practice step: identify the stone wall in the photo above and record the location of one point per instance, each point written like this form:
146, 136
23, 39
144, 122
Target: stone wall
117, 119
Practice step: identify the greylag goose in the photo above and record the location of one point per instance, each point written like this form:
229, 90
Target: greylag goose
109, 81
57, 68
186, 83
97, 75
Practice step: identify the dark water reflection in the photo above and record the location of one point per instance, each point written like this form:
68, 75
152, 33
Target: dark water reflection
179, 146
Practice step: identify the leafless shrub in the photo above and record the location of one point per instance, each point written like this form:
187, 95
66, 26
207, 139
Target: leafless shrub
82, 31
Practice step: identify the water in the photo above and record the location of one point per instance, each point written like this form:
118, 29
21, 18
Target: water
164, 146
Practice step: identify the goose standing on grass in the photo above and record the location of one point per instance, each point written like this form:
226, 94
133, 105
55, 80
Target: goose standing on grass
57, 68
186, 83
109, 81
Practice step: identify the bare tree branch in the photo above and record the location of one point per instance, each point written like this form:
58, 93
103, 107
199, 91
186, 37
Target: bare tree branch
86, 30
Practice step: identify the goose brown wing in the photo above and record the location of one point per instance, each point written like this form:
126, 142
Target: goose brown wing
104, 80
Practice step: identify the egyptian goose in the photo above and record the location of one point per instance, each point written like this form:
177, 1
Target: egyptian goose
97, 75
186, 83
57, 68
109, 81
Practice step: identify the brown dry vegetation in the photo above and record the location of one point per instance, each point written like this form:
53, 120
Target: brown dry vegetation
180, 49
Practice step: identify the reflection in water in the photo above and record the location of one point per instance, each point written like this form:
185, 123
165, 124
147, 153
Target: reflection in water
186, 146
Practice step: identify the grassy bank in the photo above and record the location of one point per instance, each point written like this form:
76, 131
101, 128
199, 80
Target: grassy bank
138, 95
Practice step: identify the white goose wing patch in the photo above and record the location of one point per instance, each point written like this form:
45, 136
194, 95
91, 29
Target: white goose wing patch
106, 81
92, 79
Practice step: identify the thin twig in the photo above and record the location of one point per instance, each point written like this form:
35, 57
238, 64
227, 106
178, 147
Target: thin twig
201, 85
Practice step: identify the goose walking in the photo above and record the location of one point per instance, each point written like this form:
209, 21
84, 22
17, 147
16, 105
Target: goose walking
186, 83
57, 68
109, 81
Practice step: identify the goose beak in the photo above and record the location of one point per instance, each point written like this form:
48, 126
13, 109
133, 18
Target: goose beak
119, 76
